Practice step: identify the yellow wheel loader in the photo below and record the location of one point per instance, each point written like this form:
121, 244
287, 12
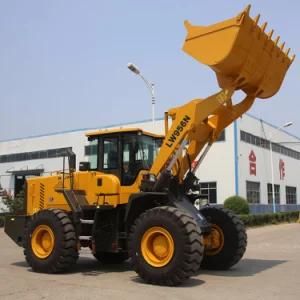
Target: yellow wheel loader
135, 198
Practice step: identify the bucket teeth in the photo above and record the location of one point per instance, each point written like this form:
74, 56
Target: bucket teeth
247, 9
293, 57
256, 19
270, 34
263, 27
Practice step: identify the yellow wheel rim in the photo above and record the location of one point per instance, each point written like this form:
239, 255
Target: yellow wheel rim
42, 241
214, 241
157, 247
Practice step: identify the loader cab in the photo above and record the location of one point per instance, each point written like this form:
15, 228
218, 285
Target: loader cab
123, 152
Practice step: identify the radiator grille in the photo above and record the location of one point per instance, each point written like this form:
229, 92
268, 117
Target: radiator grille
42, 196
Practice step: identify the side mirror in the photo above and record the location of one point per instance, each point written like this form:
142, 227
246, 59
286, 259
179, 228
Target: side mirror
72, 162
71, 159
84, 166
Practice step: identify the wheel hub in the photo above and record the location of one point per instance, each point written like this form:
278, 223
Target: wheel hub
214, 241
42, 241
157, 246
160, 246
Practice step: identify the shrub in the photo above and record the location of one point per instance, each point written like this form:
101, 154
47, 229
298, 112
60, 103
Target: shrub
264, 219
1, 221
14, 205
237, 204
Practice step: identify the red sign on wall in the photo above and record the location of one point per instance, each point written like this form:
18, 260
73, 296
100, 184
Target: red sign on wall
281, 169
252, 163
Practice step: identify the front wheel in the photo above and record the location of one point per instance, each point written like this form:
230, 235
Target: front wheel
50, 244
226, 243
165, 246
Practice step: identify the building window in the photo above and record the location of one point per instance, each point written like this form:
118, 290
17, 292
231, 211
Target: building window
263, 143
291, 195
91, 149
222, 136
208, 190
270, 193
49, 153
253, 192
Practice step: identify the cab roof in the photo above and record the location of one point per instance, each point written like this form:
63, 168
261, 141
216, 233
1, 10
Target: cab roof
122, 130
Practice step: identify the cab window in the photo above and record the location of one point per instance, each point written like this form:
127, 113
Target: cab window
139, 152
110, 154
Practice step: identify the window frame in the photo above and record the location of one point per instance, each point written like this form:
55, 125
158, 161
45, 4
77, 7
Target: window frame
288, 194
258, 192
264, 143
270, 193
209, 189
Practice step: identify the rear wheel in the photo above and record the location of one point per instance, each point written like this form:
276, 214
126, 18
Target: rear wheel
111, 258
226, 243
165, 246
50, 242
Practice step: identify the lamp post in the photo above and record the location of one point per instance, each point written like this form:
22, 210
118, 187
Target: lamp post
272, 166
150, 86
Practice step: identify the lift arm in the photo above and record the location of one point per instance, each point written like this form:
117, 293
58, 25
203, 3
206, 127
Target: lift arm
194, 125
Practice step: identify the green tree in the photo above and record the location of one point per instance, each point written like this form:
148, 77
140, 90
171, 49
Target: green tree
15, 205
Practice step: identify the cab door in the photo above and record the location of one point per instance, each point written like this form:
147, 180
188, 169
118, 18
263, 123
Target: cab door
110, 159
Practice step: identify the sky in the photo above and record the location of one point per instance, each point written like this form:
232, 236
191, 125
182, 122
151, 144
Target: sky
63, 64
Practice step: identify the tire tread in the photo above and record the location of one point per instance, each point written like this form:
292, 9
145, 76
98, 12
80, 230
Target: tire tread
66, 256
193, 248
240, 235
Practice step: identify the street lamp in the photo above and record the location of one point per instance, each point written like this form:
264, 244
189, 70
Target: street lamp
272, 167
150, 86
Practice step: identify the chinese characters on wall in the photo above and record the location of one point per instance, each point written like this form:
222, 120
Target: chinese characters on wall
253, 164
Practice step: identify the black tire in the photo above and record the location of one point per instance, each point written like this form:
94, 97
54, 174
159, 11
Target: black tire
234, 239
64, 253
111, 258
188, 249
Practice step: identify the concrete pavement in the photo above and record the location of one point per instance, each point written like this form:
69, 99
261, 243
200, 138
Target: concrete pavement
269, 270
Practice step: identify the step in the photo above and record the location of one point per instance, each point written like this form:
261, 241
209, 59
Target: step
83, 221
85, 237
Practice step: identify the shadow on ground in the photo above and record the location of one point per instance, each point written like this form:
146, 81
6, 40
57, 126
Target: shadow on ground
88, 266
191, 282
91, 267
246, 267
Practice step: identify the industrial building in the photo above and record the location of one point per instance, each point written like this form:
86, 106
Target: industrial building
241, 162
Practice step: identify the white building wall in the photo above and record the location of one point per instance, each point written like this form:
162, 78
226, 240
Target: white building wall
218, 166
76, 140
263, 161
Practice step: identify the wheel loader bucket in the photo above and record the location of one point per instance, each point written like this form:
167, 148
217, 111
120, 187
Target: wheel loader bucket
242, 55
